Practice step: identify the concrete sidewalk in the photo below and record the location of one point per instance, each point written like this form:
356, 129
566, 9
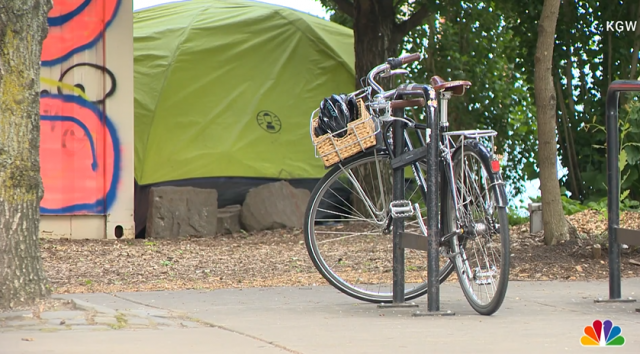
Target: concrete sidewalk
536, 317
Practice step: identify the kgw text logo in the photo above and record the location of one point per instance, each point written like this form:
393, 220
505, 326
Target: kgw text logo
620, 26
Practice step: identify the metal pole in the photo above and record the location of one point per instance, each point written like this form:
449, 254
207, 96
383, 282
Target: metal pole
398, 223
613, 185
433, 192
613, 191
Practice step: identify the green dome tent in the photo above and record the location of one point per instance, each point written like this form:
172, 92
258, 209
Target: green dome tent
223, 94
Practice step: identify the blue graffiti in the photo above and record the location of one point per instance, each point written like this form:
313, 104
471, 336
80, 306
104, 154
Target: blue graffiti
103, 204
61, 20
94, 163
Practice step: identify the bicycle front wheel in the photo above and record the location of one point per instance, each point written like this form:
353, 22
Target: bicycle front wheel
482, 251
348, 235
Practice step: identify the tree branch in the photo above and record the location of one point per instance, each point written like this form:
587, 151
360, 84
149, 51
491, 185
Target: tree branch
344, 6
575, 187
413, 21
636, 47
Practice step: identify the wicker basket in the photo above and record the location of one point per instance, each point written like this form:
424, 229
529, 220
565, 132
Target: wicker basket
361, 135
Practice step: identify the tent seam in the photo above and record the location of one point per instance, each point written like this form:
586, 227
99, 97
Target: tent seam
166, 74
320, 43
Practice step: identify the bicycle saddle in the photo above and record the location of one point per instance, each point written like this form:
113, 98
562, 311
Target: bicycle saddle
457, 88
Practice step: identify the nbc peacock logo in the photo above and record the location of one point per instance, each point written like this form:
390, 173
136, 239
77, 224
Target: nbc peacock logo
602, 334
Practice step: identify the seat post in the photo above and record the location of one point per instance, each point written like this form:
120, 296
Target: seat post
445, 96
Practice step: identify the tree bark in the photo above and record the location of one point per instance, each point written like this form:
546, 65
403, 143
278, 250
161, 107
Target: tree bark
374, 39
569, 115
23, 28
555, 225
569, 146
377, 37
377, 34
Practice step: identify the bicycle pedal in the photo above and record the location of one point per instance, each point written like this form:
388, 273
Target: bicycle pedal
401, 209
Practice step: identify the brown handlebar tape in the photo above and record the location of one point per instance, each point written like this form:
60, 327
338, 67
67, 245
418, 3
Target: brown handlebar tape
410, 58
416, 102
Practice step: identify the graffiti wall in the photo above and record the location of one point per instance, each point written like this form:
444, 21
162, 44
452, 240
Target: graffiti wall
86, 109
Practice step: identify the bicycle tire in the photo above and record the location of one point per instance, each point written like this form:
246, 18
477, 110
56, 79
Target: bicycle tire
319, 259
497, 193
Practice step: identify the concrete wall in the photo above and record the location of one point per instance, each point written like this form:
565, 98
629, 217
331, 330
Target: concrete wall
86, 108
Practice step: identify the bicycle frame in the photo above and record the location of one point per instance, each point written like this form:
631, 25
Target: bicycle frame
454, 188
447, 147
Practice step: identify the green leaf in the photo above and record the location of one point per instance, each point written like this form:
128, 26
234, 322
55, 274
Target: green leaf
630, 178
622, 160
633, 152
625, 177
624, 194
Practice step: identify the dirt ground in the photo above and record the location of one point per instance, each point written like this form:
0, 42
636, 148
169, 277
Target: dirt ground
279, 258
573, 259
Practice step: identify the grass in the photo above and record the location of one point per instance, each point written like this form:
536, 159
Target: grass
122, 322
517, 219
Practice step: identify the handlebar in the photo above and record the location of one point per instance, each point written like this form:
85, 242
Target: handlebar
416, 102
395, 63
391, 64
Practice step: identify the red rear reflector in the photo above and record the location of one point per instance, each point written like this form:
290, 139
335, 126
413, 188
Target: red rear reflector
495, 166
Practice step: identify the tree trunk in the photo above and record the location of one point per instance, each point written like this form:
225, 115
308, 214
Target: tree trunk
555, 225
374, 43
374, 37
377, 37
23, 27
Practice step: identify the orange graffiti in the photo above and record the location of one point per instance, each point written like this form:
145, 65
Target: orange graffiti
79, 156
75, 26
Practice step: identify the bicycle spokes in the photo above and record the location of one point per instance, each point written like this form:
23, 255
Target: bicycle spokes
479, 248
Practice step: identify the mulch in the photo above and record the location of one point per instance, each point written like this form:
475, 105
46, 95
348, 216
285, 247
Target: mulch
574, 259
279, 258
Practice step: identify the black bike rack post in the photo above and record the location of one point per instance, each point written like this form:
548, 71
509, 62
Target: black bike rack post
433, 215
617, 235
433, 210
398, 223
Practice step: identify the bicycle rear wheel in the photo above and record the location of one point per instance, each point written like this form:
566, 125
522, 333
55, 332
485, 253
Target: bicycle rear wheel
345, 236
482, 251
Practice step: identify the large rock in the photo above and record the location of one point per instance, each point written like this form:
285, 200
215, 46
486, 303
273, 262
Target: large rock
229, 219
273, 206
182, 211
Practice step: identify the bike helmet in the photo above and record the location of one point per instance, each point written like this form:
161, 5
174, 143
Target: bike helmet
352, 106
336, 112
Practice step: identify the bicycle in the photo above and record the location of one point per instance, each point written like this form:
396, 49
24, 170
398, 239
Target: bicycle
463, 208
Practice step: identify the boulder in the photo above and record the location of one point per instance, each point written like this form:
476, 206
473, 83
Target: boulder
182, 211
273, 206
229, 219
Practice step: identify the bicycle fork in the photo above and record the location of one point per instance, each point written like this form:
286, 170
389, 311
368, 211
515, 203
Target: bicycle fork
404, 208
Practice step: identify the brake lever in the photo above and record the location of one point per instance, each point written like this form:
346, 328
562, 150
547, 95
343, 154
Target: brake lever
394, 72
